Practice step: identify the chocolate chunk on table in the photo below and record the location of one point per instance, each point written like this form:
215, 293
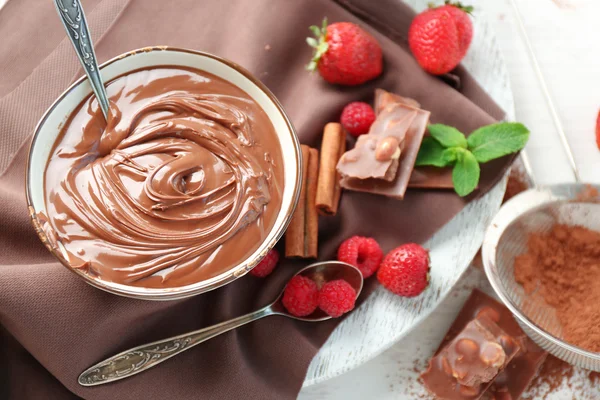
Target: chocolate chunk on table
466, 367
516, 377
431, 178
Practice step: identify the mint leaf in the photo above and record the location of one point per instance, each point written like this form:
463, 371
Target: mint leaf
465, 174
431, 152
448, 136
497, 140
450, 155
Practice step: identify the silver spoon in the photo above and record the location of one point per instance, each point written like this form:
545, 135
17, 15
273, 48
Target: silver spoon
73, 19
141, 358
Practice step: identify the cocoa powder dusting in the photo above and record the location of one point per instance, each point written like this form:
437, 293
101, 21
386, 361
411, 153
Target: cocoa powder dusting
594, 377
553, 373
563, 265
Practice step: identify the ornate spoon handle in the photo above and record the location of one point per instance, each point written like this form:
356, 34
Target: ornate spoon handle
73, 19
141, 358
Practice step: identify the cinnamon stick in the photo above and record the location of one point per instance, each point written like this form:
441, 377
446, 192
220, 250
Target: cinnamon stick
312, 216
328, 189
301, 238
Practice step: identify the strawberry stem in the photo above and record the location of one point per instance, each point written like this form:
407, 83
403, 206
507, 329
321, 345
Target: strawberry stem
318, 43
458, 4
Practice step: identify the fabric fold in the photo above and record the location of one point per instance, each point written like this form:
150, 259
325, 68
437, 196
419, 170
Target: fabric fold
54, 326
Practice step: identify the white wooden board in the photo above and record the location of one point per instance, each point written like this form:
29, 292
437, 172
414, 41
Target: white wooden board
385, 318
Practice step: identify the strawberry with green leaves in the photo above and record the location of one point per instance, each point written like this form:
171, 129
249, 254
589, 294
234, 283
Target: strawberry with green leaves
464, 27
439, 37
448, 147
344, 53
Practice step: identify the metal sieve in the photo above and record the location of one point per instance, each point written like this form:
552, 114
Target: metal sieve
536, 211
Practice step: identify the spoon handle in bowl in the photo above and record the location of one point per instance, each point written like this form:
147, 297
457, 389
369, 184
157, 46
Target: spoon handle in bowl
141, 358
73, 19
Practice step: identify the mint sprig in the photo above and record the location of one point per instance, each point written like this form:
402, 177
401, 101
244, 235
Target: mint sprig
494, 141
447, 136
465, 174
431, 153
447, 146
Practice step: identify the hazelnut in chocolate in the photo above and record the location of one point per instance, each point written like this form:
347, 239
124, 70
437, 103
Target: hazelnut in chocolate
181, 184
511, 381
468, 364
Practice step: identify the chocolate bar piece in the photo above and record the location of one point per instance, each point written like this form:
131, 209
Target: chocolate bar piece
383, 98
516, 377
421, 177
377, 154
408, 154
467, 365
431, 178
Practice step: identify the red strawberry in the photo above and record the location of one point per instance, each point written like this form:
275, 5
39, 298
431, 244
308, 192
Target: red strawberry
440, 37
345, 53
463, 22
405, 270
598, 130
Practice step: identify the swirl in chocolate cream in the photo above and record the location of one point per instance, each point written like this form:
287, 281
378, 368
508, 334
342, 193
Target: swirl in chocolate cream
181, 185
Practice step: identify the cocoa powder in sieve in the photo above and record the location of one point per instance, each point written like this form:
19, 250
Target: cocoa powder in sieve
563, 265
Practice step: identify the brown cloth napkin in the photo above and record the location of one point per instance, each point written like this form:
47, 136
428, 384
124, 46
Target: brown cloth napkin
53, 325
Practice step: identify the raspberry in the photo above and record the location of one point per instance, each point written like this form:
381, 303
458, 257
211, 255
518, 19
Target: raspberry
362, 252
405, 270
301, 296
267, 265
337, 298
357, 118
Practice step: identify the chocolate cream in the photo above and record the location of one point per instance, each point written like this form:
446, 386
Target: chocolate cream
183, 183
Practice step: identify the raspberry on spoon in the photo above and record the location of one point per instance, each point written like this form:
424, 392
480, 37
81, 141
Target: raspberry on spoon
301, 296
337, 298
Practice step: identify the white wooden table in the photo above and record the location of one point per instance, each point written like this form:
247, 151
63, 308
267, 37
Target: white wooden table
564, 34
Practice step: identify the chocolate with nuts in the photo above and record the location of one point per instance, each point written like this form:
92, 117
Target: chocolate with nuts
383, 160
377, 154
511, 382
466, 367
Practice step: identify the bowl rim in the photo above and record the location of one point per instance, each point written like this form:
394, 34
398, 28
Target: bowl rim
199, 287
504, 218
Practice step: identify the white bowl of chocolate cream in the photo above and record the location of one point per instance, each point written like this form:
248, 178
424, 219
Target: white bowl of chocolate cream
192, 181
